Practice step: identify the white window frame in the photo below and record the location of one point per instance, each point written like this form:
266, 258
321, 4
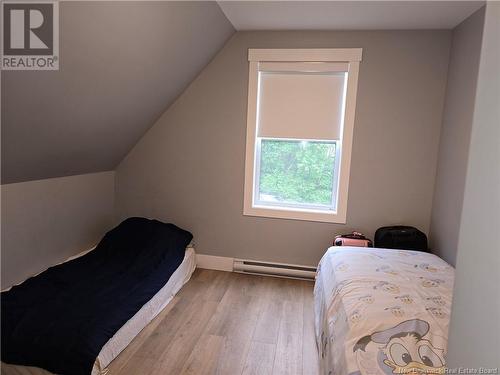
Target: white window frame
349, 56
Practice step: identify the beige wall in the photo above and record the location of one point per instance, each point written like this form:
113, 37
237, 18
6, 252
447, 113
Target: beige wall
189, 167
474, 339
455, 136
46, 221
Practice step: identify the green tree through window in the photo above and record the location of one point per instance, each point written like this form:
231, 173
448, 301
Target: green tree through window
297, 171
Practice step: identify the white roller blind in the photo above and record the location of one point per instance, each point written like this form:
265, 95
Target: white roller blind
301, 105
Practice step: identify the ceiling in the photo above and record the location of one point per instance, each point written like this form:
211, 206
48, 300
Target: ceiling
347, 15
119, 75
121, 65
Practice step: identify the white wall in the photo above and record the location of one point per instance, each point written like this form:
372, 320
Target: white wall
46, 221
455, 136
474, 339
189, 167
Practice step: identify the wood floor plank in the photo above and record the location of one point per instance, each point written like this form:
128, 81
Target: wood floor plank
310, 357
194, 289
292, 318
288, 358
252, 285
184, 341
260, 359
145, 366
217, 286
237, 313
232, 356
225, 323
286, 289
267, 327
141, 338
203, 359
158, 341
235, 320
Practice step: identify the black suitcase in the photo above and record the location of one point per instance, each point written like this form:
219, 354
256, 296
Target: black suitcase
401, 237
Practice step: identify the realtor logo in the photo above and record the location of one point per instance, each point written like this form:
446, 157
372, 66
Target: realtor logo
30, 35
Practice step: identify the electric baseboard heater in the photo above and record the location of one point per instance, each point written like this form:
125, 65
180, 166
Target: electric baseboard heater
274, 269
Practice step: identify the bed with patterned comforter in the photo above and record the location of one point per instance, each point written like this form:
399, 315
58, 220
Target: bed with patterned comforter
382, 311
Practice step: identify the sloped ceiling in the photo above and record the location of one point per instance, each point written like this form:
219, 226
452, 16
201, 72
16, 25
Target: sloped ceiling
121, 65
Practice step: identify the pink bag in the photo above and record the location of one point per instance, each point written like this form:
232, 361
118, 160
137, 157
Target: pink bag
352, 239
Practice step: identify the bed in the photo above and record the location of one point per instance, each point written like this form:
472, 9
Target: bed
382, 311
120, 338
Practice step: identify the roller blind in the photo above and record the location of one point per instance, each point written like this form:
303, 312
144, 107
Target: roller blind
301, 104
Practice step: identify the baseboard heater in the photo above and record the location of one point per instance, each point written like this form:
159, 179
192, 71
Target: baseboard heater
274, 269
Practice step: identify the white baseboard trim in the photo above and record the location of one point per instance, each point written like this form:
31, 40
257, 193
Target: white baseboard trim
212, 262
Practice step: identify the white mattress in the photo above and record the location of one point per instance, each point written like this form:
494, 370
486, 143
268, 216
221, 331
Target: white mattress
126, 334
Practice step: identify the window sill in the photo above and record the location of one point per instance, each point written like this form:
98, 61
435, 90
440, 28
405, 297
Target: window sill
295, 214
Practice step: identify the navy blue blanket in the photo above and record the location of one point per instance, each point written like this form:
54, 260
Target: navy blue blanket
61, 319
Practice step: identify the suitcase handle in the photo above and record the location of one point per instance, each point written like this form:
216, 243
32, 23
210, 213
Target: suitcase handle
353, 235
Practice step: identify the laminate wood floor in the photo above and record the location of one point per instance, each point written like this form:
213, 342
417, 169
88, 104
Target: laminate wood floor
228, 323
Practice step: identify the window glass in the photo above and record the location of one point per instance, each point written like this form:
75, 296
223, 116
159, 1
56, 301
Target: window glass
297, 173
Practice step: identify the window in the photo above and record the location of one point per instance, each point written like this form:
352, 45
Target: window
299, 132
296, 173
